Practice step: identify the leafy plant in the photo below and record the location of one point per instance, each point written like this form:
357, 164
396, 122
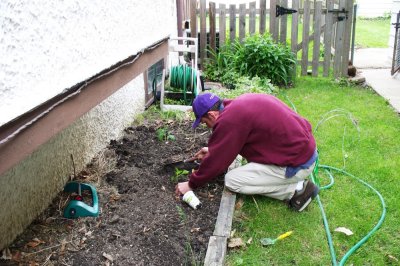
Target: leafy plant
164, 135
261, 56
220, 66
258, 56
178, 174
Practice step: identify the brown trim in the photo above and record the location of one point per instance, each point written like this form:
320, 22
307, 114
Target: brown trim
23, 135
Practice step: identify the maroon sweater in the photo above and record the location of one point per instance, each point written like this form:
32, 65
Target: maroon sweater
262, 129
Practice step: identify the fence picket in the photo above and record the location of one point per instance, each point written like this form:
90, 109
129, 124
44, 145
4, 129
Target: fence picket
193, 18
337, 63
242, 21
263, 13
347, 38
305, 41
295, 27
272, 20
222, 24
277, 22
212, 26
252, 18
283, 24
203, 31
232, 22
317, 36
328, 38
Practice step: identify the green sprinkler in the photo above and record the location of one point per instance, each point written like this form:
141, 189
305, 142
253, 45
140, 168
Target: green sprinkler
76, 206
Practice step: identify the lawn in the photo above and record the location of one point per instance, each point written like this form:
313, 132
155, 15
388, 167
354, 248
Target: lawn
372, 33
361, 138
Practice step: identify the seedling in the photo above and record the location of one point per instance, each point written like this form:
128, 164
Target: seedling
164, 135
182, 214
178, 174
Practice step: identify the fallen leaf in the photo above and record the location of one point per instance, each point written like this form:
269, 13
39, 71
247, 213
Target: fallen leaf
344, 230
108, 257
236, 243
63, 243
393, 258
239, 204
232, 233
34, 243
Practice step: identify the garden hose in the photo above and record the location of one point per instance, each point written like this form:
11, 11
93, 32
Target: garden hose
184, 78
315, 179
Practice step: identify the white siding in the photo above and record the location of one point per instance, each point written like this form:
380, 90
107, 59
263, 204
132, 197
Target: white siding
47, 46
373, 8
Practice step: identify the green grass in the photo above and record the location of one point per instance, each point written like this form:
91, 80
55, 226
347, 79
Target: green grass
371, 154
372, 33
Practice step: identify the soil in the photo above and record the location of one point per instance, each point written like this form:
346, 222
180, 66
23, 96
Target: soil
141, 222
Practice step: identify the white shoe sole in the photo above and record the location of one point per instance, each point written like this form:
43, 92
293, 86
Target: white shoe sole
305, 204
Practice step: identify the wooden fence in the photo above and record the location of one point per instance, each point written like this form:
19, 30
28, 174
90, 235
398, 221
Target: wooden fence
321, 30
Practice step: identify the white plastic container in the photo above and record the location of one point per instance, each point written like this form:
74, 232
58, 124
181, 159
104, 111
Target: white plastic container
191, 199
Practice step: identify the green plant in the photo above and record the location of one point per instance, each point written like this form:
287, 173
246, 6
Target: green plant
181, 213
219, 67
164, 135
260, 56
257, 56
178, 174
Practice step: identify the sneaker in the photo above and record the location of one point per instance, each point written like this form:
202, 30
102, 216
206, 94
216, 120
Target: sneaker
302, 198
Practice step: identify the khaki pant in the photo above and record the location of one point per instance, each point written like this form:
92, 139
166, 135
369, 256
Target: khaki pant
266, 180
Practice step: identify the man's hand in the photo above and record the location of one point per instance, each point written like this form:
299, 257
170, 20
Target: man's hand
201, 153
182, 188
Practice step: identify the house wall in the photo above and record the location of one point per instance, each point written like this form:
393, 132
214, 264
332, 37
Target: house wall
47, 46
373, 8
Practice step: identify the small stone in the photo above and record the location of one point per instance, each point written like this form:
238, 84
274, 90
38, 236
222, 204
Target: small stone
357, 79
114, 219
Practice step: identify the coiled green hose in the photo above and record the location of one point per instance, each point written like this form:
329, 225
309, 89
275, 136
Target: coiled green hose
184, 78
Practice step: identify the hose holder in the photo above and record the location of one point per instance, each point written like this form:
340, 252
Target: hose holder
76, 206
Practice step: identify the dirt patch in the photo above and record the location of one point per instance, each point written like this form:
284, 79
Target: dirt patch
140, 222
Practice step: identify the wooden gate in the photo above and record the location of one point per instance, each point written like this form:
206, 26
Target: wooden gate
320, 30
396, 47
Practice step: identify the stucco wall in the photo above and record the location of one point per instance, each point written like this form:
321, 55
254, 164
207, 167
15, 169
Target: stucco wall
47, 46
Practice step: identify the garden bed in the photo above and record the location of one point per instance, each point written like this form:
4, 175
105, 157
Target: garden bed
141, 222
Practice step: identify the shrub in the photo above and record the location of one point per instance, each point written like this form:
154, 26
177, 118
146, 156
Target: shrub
258, 55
